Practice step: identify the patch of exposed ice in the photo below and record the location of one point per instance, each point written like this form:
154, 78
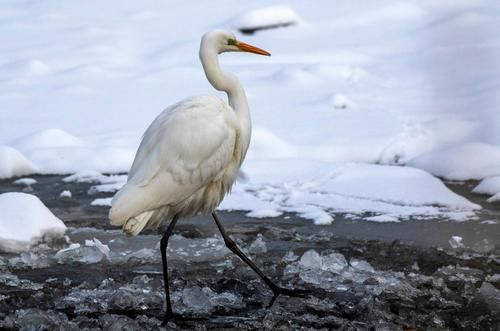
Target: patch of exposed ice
25, 221
456, 242
93, 252
258, 246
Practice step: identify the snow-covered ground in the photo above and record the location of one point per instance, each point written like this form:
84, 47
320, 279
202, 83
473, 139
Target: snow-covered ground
348, 84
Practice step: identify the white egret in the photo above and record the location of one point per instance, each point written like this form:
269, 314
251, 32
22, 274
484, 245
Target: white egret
190, 157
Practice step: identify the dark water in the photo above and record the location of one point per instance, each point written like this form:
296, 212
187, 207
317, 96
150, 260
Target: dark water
360, 275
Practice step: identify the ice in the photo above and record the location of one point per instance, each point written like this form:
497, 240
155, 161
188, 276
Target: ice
197, 300
311, 260
456, 242
314, 268
66, 194
30, 259
266, 17
35, 319
137, 296
97, 243
93, 252
258, 246
25, 221
13, 163
491, 295
203, 300
25, 181
289, 257
483, 246
361, 265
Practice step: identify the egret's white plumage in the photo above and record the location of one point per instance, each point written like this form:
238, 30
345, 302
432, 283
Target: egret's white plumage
190, 155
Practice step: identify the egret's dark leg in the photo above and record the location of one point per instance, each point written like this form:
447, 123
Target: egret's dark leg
163, 247
236, 250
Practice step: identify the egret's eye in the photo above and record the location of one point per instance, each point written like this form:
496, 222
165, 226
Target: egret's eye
231, 42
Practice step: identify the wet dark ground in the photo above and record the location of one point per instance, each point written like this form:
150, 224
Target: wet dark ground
360, 275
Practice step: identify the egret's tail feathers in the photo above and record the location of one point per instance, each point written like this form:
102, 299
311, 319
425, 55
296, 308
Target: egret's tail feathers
136, 224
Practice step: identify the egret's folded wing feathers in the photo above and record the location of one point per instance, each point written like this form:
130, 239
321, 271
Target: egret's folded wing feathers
186, 146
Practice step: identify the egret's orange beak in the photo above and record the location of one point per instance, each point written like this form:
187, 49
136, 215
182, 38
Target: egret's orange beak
244, 47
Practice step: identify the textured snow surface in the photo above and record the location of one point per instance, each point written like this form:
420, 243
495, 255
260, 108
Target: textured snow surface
393, 192
377, 82
24, 220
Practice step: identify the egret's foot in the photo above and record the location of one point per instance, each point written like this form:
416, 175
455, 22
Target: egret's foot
169, 315
288, 292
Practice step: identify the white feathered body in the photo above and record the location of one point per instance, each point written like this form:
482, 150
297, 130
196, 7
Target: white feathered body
187, 161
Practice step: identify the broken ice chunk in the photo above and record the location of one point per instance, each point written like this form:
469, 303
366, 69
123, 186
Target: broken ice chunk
456, 242
258, 246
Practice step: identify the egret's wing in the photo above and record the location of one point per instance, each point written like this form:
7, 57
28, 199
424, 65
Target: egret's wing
188, 145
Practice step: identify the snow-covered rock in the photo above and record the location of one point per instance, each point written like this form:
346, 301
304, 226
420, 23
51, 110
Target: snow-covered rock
24, 221
14, 164
489, 186
66, 194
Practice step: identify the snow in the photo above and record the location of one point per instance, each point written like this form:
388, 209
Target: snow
467, 161
489, 186
411, 83
24, 221
266, 17
65, 194
25, 181
355, 188
14, 164
105, 202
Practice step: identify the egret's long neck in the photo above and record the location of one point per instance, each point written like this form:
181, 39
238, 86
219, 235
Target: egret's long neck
230, 84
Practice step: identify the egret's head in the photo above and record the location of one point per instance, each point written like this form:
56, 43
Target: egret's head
224, 41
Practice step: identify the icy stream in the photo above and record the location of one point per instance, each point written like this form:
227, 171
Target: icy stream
99, 279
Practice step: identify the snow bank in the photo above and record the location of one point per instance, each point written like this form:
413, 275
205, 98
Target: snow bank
24, 221
394, 193
46, 138
14, 164
490, 186
463, 162
267, 17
